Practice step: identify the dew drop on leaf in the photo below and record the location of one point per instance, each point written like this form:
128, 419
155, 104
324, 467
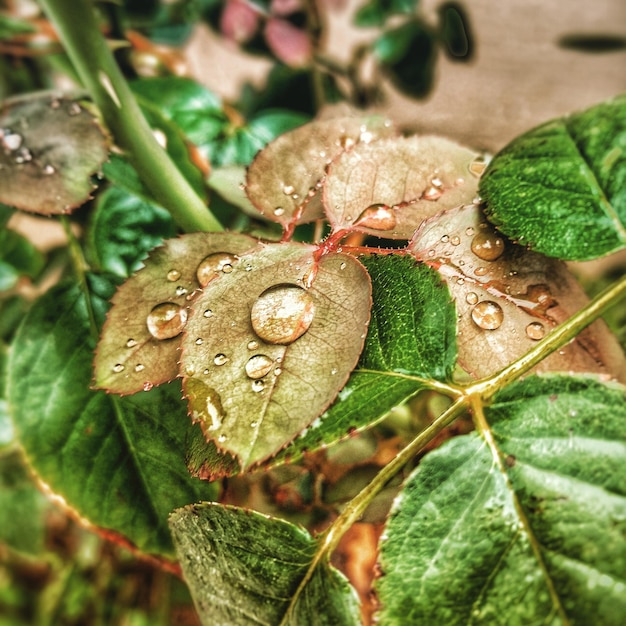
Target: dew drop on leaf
488, 315
139, 367
220, 359
282, 314
48, 169
378, 217
288, 190
166, 320
181, 291
535, 331
258, 366
173, 275
211, 267
471, 298
118, 367
208, 313
258, 385
487, 246
278, 211
10, 141
253, 345
131, 343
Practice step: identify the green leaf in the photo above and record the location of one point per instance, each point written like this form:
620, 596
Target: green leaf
270, 344
411, 342
536, 537
561, 187
407, 54
243, 567
18, 257
123, 229
51, 146
377, 12
389, 187
118, 462
455, 31
140, 342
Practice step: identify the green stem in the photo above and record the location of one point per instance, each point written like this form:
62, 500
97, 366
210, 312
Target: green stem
356, 507
556, 339
76, 24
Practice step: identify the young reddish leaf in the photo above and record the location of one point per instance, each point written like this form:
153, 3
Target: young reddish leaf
290, 44
284, 179
268, 349
508, 298
50, 146
139, 346
388, 188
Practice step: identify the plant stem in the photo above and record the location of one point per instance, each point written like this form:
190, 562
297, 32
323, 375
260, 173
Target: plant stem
78, 29
561, 335
356, 507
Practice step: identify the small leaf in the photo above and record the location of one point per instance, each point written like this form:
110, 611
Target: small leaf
139, 346
269, 346
561, 187
411, 341
117, 462
284, 179
124, 228
537, 537
50, 146
455, 31
244, 567
18, 257
387, 188
508, 298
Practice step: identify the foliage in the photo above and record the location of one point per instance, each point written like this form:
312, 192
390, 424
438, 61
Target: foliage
346, 304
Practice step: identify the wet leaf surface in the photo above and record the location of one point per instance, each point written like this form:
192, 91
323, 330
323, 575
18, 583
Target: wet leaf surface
284, 179
140, 341
537, 537
508, 298
387, 188
243, 567
116, 461
50, 147
269, 346
561, 187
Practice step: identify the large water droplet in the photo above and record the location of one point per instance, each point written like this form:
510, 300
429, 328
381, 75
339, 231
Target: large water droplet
283, 313
211, 266
377, 217
535, 331
166, 320
488, 315
487, 245
258, 366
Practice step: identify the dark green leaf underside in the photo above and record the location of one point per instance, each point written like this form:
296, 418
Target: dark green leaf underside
243, 568
118, 462
561, 188
459, 551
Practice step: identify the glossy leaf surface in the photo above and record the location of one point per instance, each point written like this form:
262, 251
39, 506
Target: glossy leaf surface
243, 567
140, 342
537, 537
270, 344
117, 462
50, 146
561, 187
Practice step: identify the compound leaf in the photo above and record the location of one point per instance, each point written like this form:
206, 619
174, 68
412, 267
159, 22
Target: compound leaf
561, 187
243, 567
535, 537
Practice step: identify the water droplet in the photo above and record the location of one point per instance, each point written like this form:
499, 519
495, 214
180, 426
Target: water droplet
254, 424
131, 343
541, 296
278, 371
23, 156
208, 313
181, 291
147, 386
221, 438
140, 367
333, 371
343, 265
460, 281
278, 211
487, 246
480, 271
206, 371
48, 169
469, 231
378, 217
166, 320
432, 193
118, 367
199, 341
211, 266
455, 241
253, 345
173, 275
535, 331
258, 385
220, 359
283, 313
11, 141
488, 315
477, 166
288, 189
73, 109
471, 298
445, 239
258, 366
